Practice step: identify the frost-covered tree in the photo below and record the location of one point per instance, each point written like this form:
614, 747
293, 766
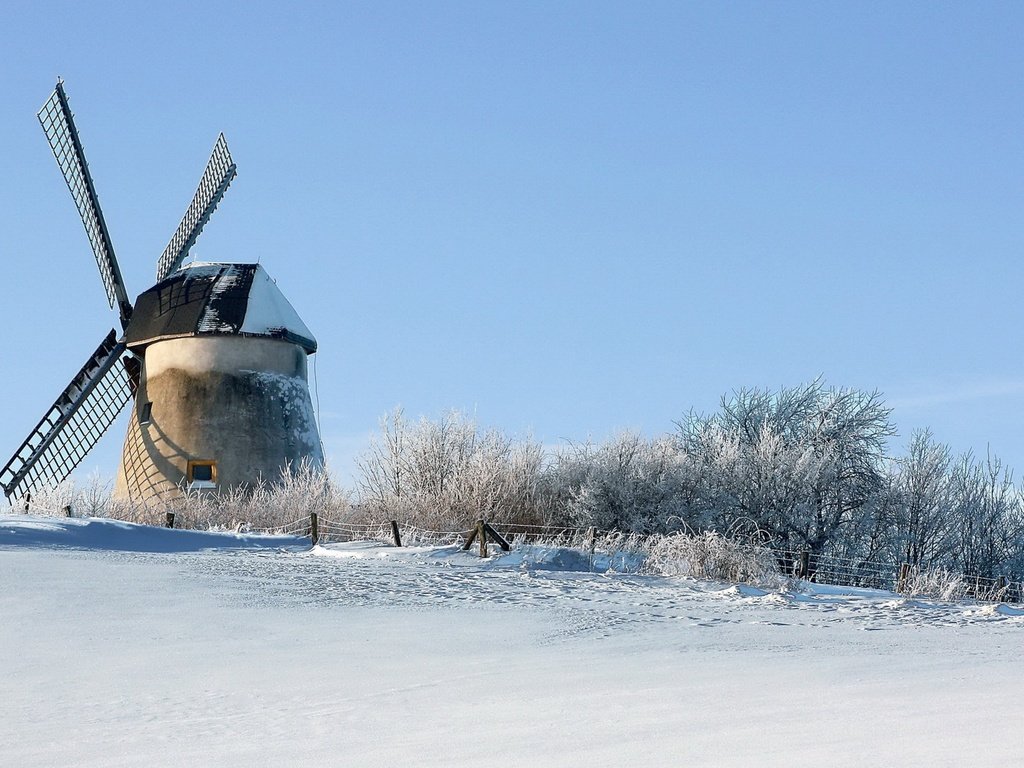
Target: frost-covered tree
383, 483
848, 431
754, 481
922, 520
986, 520
800, 464
628, 483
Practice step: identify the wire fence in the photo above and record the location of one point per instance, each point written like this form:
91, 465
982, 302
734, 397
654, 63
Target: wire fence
798, 564
845, 572
902, 578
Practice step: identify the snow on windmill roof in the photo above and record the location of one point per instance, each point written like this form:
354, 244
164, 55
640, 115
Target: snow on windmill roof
216, 299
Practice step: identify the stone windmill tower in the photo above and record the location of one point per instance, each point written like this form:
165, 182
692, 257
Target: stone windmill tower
212, 359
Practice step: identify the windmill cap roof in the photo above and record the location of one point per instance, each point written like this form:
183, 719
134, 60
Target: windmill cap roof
216, 299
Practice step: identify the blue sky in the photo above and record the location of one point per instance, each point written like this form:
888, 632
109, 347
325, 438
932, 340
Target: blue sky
566, 218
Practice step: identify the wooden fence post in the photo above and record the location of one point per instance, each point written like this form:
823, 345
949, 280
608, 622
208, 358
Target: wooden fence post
28, 501
395, 533
471, 538
67, 511
479, 533
803, 567
497, 537
314, 531
170, 520
904, 576
591, 544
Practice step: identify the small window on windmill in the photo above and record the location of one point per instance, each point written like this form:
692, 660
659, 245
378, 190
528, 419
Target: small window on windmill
202, 474
146, 413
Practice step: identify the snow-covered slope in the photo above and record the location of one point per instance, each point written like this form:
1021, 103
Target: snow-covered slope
100, 534
137, 646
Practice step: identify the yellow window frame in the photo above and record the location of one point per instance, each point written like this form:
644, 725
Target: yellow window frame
193, 463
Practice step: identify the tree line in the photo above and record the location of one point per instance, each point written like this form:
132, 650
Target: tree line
802, 468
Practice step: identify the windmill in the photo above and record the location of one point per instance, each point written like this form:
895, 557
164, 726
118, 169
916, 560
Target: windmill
212, 360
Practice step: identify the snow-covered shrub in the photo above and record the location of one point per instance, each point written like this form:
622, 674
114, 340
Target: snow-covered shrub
94, 498
625, 552
934, 582
297, 493
448, 473
91, 499
292, 496
713, 557
49, 501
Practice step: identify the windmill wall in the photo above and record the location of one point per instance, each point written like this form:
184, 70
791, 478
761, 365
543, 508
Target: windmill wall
242, 402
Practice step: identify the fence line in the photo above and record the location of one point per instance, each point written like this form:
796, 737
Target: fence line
800, 564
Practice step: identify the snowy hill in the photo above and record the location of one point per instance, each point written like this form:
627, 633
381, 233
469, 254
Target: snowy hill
129, 645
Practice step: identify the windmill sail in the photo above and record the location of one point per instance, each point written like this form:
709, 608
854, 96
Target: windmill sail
74, 423
59, 125
220, 171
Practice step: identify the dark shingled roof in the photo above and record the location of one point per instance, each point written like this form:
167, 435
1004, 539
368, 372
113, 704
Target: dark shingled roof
216, 299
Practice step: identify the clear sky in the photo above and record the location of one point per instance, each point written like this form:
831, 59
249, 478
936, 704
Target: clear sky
566, 218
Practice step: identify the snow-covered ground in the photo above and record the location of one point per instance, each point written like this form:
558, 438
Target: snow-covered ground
136, 646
